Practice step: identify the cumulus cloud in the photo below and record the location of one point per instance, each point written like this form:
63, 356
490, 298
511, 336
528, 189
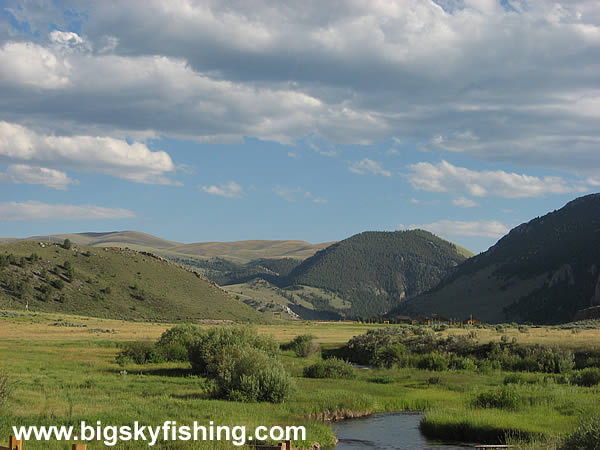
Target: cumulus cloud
282, 70
117, 157
34, 210
451, 228
228, 190
23, 174
445, 177
369, 167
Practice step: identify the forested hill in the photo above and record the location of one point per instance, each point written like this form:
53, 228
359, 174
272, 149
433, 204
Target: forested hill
542, 271
375, 271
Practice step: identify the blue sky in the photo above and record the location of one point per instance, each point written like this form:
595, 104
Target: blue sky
195, 121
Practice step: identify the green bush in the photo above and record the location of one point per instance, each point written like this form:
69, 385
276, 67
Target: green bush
173, 343
137, 353
587, 377
585, 437
303, 345
433, 361
206, 349
391, 355
502, 398
249, 374
330, 368
460, 363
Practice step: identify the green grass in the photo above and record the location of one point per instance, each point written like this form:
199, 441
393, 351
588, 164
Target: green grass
112, 283
63, 376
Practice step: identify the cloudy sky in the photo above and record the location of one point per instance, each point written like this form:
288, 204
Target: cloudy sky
253, 119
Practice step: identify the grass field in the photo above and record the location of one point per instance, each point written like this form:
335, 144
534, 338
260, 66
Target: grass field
63, 375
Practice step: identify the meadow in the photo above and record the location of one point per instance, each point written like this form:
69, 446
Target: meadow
64, 372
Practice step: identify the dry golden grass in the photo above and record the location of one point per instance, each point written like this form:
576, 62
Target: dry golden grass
40, 326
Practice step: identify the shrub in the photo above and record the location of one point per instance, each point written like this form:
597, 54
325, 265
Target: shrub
173, 343
460, 363
136, 352
390, 355
67, 244
586, 377
248, 374
585, 437
206, 349
303, 345
330, 368
502, 398
433, 361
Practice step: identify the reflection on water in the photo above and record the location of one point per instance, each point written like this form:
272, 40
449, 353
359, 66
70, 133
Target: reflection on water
385, 431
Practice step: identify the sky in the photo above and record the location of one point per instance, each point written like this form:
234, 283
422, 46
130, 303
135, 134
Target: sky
217, 120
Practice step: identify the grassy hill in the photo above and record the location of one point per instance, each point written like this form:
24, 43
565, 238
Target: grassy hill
109, 282
542, 271
238, 251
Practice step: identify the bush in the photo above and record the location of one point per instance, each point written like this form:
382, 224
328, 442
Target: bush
585, 437
206, 349
136, 352
433, 361
248, 374
330, 368
502, 398
460, 363
303, 345
67, 244
391, 355
173, 343
587, 377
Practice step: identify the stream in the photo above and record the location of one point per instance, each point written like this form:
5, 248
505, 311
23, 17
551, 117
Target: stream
386, 431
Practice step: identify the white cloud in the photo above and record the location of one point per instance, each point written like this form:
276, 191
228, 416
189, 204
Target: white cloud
34, 210
23, 174
229, 190
464, 202
117, 157
25, 63
445, 63
445, 177
369, 167
450, 228
320, 200
415, 201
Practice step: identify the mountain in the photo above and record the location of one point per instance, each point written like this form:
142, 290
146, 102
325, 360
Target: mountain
542, 271
375, 271
237, 251
109, 282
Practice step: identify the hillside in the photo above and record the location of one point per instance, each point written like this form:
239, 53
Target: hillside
542, 271
375, 271
109, 282
238, 251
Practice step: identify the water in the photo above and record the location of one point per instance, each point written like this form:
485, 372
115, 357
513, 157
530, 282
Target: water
386, 431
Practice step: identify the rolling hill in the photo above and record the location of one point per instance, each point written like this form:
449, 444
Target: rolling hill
109, 282
542, 271
238, 251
